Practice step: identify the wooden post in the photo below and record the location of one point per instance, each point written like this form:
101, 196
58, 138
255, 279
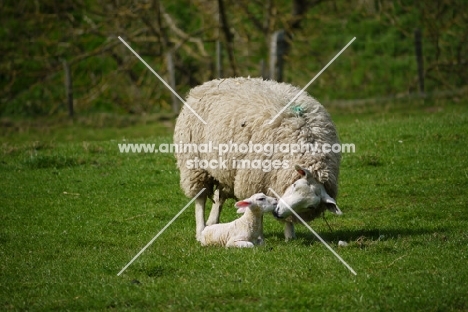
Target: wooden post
68, 87
263, 74
172, 82
219, 60
229, 46
419, 58
277, 52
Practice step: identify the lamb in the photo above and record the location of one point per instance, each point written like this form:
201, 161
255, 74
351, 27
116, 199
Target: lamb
238, 111
246, 231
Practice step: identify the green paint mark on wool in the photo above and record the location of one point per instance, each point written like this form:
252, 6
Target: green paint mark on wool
298, 110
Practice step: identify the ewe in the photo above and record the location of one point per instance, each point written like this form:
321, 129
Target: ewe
241, 111
246, 231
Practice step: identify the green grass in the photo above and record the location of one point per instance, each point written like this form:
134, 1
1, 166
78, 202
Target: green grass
74, 211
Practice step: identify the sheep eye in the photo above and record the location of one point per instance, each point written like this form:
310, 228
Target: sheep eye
261, 199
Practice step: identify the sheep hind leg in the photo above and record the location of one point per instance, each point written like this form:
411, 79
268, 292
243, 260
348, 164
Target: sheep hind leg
200, 215
240, 244
218, 201
289, 232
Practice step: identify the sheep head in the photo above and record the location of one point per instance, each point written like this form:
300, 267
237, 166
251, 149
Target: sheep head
304, 194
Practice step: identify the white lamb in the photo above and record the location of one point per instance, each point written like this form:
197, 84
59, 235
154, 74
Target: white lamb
246, 231
241, 111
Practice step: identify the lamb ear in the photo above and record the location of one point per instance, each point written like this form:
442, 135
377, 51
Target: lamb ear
240, 210
242, 204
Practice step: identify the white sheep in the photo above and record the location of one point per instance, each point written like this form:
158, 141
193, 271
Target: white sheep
239, 111
305, 194
246, 231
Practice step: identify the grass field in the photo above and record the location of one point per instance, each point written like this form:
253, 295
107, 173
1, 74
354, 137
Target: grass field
74, 211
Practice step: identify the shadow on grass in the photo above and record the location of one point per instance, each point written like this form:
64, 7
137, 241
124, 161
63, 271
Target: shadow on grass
354, 235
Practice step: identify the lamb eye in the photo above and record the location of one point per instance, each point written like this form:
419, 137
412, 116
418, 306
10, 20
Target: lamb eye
261, 199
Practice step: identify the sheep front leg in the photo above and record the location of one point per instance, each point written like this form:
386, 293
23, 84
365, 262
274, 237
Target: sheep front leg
200, 215
289, 232
218, 201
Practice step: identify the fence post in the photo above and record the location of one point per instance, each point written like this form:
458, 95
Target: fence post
278, 47
68, 87
419, 58
219, 66
263, 73
172, 82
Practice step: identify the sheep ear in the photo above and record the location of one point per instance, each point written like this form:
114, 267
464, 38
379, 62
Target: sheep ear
331, 204
302, 171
